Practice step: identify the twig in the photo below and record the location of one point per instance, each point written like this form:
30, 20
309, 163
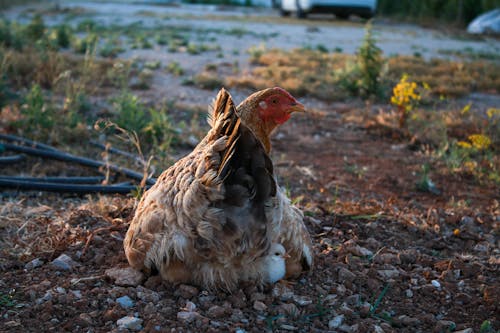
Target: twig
61, 156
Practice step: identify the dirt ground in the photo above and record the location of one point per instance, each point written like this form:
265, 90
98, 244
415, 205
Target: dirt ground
388, 258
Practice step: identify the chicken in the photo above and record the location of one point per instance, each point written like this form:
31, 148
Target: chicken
217, 217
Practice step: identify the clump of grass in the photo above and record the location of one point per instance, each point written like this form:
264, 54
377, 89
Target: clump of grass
89, 42
207, 80
175, 68
130, 113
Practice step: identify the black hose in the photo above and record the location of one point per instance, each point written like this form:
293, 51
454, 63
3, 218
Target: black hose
28, 142
58, 180
115, 150
11, 159
71, 188
61, 156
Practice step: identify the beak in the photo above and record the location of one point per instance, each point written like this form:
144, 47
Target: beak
286, 256
297, 107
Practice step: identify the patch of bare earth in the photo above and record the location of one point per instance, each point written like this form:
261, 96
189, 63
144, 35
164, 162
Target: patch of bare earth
388, 258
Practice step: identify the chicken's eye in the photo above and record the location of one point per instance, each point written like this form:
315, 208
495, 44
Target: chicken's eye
274, 101
277, 254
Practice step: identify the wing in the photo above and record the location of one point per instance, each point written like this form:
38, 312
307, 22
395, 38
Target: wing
211, 206
293, 234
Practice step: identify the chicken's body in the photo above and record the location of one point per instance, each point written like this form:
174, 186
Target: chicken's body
211, 218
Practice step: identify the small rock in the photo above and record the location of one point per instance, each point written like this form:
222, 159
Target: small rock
61, 290
436, 284
129, 322
190, 306
289, 309
240, 330
85, 318
388, 258
388, 273
288, 327
125, 276
409, 293
336, 322
125, 302
186, 291
445, 326
45, 298
302, 300
346, 275
360, 251
216, 311
353, 300
76, 293
257, 297
187, 316
282, 292
378, 329
467, 330
64, 262
37, 262
259, 306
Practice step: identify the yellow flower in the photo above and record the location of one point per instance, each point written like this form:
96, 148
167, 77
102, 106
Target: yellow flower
464, 144
480, 141
493, 112
404, 93
466, 109
456, 232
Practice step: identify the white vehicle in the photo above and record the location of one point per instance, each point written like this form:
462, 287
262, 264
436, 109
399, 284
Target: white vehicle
341, 8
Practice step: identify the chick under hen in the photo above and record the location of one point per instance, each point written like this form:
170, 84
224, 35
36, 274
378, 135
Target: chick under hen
216, 216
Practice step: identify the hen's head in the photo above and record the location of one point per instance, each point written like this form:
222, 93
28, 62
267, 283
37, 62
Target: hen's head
264, 110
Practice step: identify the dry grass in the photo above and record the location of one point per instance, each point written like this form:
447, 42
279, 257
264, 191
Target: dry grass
327, 76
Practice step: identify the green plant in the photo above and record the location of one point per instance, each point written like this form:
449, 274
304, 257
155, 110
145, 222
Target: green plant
486, 327
175, 68
38, 116
425, 184
130, 114
89, 42
370, 63
35, 30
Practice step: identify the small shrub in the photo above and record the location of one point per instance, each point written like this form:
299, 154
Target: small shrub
370, 62
35, 30
38, 116
130, 114
175, 68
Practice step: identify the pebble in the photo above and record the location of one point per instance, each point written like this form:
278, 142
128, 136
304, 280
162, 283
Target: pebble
336, 322
64, 262
45, 298
187, 316
240, 330
409, 293
125, 276
288, 327
190, 306
289, 309
129, 322
187, 291
76, 293
378, 329
388, 273
436, 284
467, 330
259, 306
302, 300
346, 275
37, 262
216, 311
125, 302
